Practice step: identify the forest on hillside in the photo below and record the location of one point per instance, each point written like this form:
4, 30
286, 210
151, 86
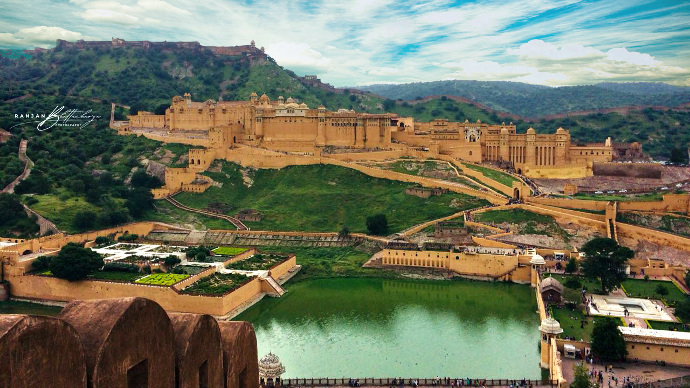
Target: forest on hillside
536, 100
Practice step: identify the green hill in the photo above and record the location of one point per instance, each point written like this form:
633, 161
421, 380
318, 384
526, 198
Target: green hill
147, 79
536, 100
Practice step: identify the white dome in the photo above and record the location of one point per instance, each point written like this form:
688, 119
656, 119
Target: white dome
270, 366
537, 259
550, 326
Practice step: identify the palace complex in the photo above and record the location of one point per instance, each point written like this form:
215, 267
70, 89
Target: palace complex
286, 125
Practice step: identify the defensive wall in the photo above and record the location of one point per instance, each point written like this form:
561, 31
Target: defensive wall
569, 171
260, 158
476, 265
671, 203
133, 343
57, 241
40, 287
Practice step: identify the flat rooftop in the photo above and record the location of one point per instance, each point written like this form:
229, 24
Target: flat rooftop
658, 337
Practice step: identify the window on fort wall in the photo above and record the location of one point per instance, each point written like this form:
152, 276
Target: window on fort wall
138, 375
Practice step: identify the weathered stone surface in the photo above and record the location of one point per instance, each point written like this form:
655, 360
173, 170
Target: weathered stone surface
38, 351
240, 358
199, 355
127, 342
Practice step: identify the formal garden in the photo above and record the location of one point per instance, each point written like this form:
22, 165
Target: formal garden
257, 262
664, 290
162, 279
229, 251
217, 284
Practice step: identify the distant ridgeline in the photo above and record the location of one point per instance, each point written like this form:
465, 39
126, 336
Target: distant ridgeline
537, 100
249, 49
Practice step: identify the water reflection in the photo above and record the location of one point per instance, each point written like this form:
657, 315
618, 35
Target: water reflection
380, 328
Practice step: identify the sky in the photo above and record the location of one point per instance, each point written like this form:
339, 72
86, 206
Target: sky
361, 42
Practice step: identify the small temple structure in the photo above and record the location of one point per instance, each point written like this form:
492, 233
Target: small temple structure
270, 369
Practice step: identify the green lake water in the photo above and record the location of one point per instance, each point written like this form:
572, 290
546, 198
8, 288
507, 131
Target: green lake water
361, 327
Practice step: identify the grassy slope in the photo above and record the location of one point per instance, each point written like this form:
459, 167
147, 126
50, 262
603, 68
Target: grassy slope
498, 176
527, 221
324, 198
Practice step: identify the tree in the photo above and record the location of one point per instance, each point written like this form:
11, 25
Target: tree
344, 232
661, 290
85, 219
171, 261
683, 309
75, 262
687, 278
139, 201
605, 260
377, 225
571, 266
581, 376
607, 341
678, 156
42, 263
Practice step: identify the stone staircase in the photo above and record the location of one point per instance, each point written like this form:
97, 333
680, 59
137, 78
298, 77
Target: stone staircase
279, 290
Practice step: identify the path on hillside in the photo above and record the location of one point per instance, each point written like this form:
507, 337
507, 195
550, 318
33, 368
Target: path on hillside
238, 224
44, 224
481, 185
28, 164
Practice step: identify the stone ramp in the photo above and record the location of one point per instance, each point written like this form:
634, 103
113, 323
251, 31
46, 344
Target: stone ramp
279, 290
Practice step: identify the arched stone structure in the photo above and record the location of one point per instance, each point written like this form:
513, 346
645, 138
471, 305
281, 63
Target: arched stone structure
127, 342
199, 354
240, 357
38, 351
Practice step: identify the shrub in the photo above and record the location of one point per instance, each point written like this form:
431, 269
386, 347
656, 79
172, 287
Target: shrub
128, 237
573, 282
121, 267
100, 240
42, 263
571, 266
377, 225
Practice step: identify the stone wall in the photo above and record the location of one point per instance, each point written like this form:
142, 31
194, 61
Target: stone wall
54, 289
480, 265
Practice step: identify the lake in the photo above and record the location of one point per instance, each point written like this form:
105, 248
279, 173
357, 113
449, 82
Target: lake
363, 327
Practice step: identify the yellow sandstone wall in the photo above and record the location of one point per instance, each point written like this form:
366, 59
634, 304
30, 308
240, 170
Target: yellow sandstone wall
675, 355
49, 288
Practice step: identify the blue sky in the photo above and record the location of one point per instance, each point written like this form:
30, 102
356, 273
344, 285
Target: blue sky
358, 42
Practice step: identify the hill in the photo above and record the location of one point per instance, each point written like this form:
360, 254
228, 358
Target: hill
535, 100
146, 79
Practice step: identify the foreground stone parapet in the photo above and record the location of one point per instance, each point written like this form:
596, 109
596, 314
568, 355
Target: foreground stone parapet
40, 352
128, 342
240, 355
199, 354
125, 343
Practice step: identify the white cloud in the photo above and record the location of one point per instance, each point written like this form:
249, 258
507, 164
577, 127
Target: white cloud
41, 36
111, 11
384, 71
298, 56
623, 55
488, 68
539, 48
543, 78
104, 15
